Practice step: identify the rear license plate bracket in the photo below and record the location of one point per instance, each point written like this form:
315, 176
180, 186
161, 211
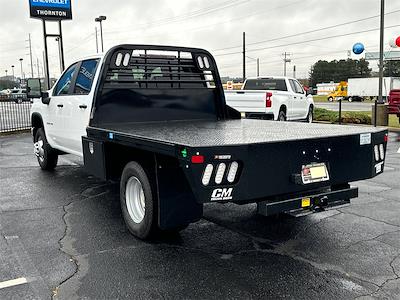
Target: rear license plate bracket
315, 172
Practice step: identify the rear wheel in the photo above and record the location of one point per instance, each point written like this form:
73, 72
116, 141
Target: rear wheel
330, 99
47, 157
282, 115
137, 202
350, 99
310, 116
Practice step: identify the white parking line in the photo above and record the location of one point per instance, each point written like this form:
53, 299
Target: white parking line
13, 282
398, 151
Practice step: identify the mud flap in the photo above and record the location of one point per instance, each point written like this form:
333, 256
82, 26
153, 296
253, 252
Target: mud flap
177, 204
93, 156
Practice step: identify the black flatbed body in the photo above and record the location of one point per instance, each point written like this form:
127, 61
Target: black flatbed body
164, 137
168, 113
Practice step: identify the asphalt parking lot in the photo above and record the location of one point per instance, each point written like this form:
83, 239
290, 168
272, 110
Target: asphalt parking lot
62, 233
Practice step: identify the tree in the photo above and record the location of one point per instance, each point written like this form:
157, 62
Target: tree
6, 84
391, 68
339, 70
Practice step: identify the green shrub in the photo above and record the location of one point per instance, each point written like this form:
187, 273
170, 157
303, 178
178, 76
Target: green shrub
321, 114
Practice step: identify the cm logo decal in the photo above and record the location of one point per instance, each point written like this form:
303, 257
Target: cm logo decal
222, 194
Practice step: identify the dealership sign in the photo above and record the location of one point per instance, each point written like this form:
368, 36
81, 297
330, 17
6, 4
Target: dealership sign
51, 9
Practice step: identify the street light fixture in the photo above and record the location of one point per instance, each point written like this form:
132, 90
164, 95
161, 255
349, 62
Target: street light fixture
100, 19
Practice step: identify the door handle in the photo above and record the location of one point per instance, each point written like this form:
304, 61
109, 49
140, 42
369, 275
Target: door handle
60, 105
83, 106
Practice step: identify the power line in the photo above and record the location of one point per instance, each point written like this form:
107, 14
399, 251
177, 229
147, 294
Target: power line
187, 16
279, 61
308, 41
218, 23
308, 32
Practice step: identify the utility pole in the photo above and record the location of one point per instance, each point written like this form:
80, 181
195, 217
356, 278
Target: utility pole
294, 71
258, 67
46, 74
97, 41
285, 61
380, 98
38, 67
244, 56
30, 54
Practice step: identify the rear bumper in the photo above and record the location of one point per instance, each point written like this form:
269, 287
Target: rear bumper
308, 203
262, 116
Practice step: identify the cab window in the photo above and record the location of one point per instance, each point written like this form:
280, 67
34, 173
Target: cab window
299, 88
64, 83
85, 77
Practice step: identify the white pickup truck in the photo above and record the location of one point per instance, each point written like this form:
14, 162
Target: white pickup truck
272, 98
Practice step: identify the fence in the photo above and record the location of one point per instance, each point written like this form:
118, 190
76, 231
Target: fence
14, 114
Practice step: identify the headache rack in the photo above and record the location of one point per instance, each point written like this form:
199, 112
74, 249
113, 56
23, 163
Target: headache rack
160, 67
176, 82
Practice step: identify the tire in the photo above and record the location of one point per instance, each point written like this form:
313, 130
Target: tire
282, 115
19, 101
138, 205
350, 99
310, 116
47, 157
330, 99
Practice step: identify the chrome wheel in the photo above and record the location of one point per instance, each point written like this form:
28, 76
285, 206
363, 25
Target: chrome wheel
135, 199
38, 149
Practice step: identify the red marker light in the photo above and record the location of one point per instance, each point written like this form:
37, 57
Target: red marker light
386, 138
197, 159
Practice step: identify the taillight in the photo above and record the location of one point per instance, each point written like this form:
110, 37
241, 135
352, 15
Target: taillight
268, 99
220, 173
207, 174
376, 152
382, 152
386, 138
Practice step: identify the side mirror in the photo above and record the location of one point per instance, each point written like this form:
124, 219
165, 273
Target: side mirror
309, 92
45, 97
33, 88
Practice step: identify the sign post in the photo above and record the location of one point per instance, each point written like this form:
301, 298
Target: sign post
51, 10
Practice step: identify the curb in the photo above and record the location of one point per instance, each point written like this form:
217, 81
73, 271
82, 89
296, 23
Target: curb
391, 129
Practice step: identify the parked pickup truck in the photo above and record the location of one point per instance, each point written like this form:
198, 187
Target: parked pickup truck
155, 119
394, 103
272, 98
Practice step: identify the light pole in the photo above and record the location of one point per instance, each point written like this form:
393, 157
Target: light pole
22, 71
100, 19
257, 60
60, 54
12, 67
6, 74
380, 86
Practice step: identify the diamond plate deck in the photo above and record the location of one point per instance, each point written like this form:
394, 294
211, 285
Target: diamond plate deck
233, 132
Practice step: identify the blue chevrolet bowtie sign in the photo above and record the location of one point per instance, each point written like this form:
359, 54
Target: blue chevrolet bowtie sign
51, 9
